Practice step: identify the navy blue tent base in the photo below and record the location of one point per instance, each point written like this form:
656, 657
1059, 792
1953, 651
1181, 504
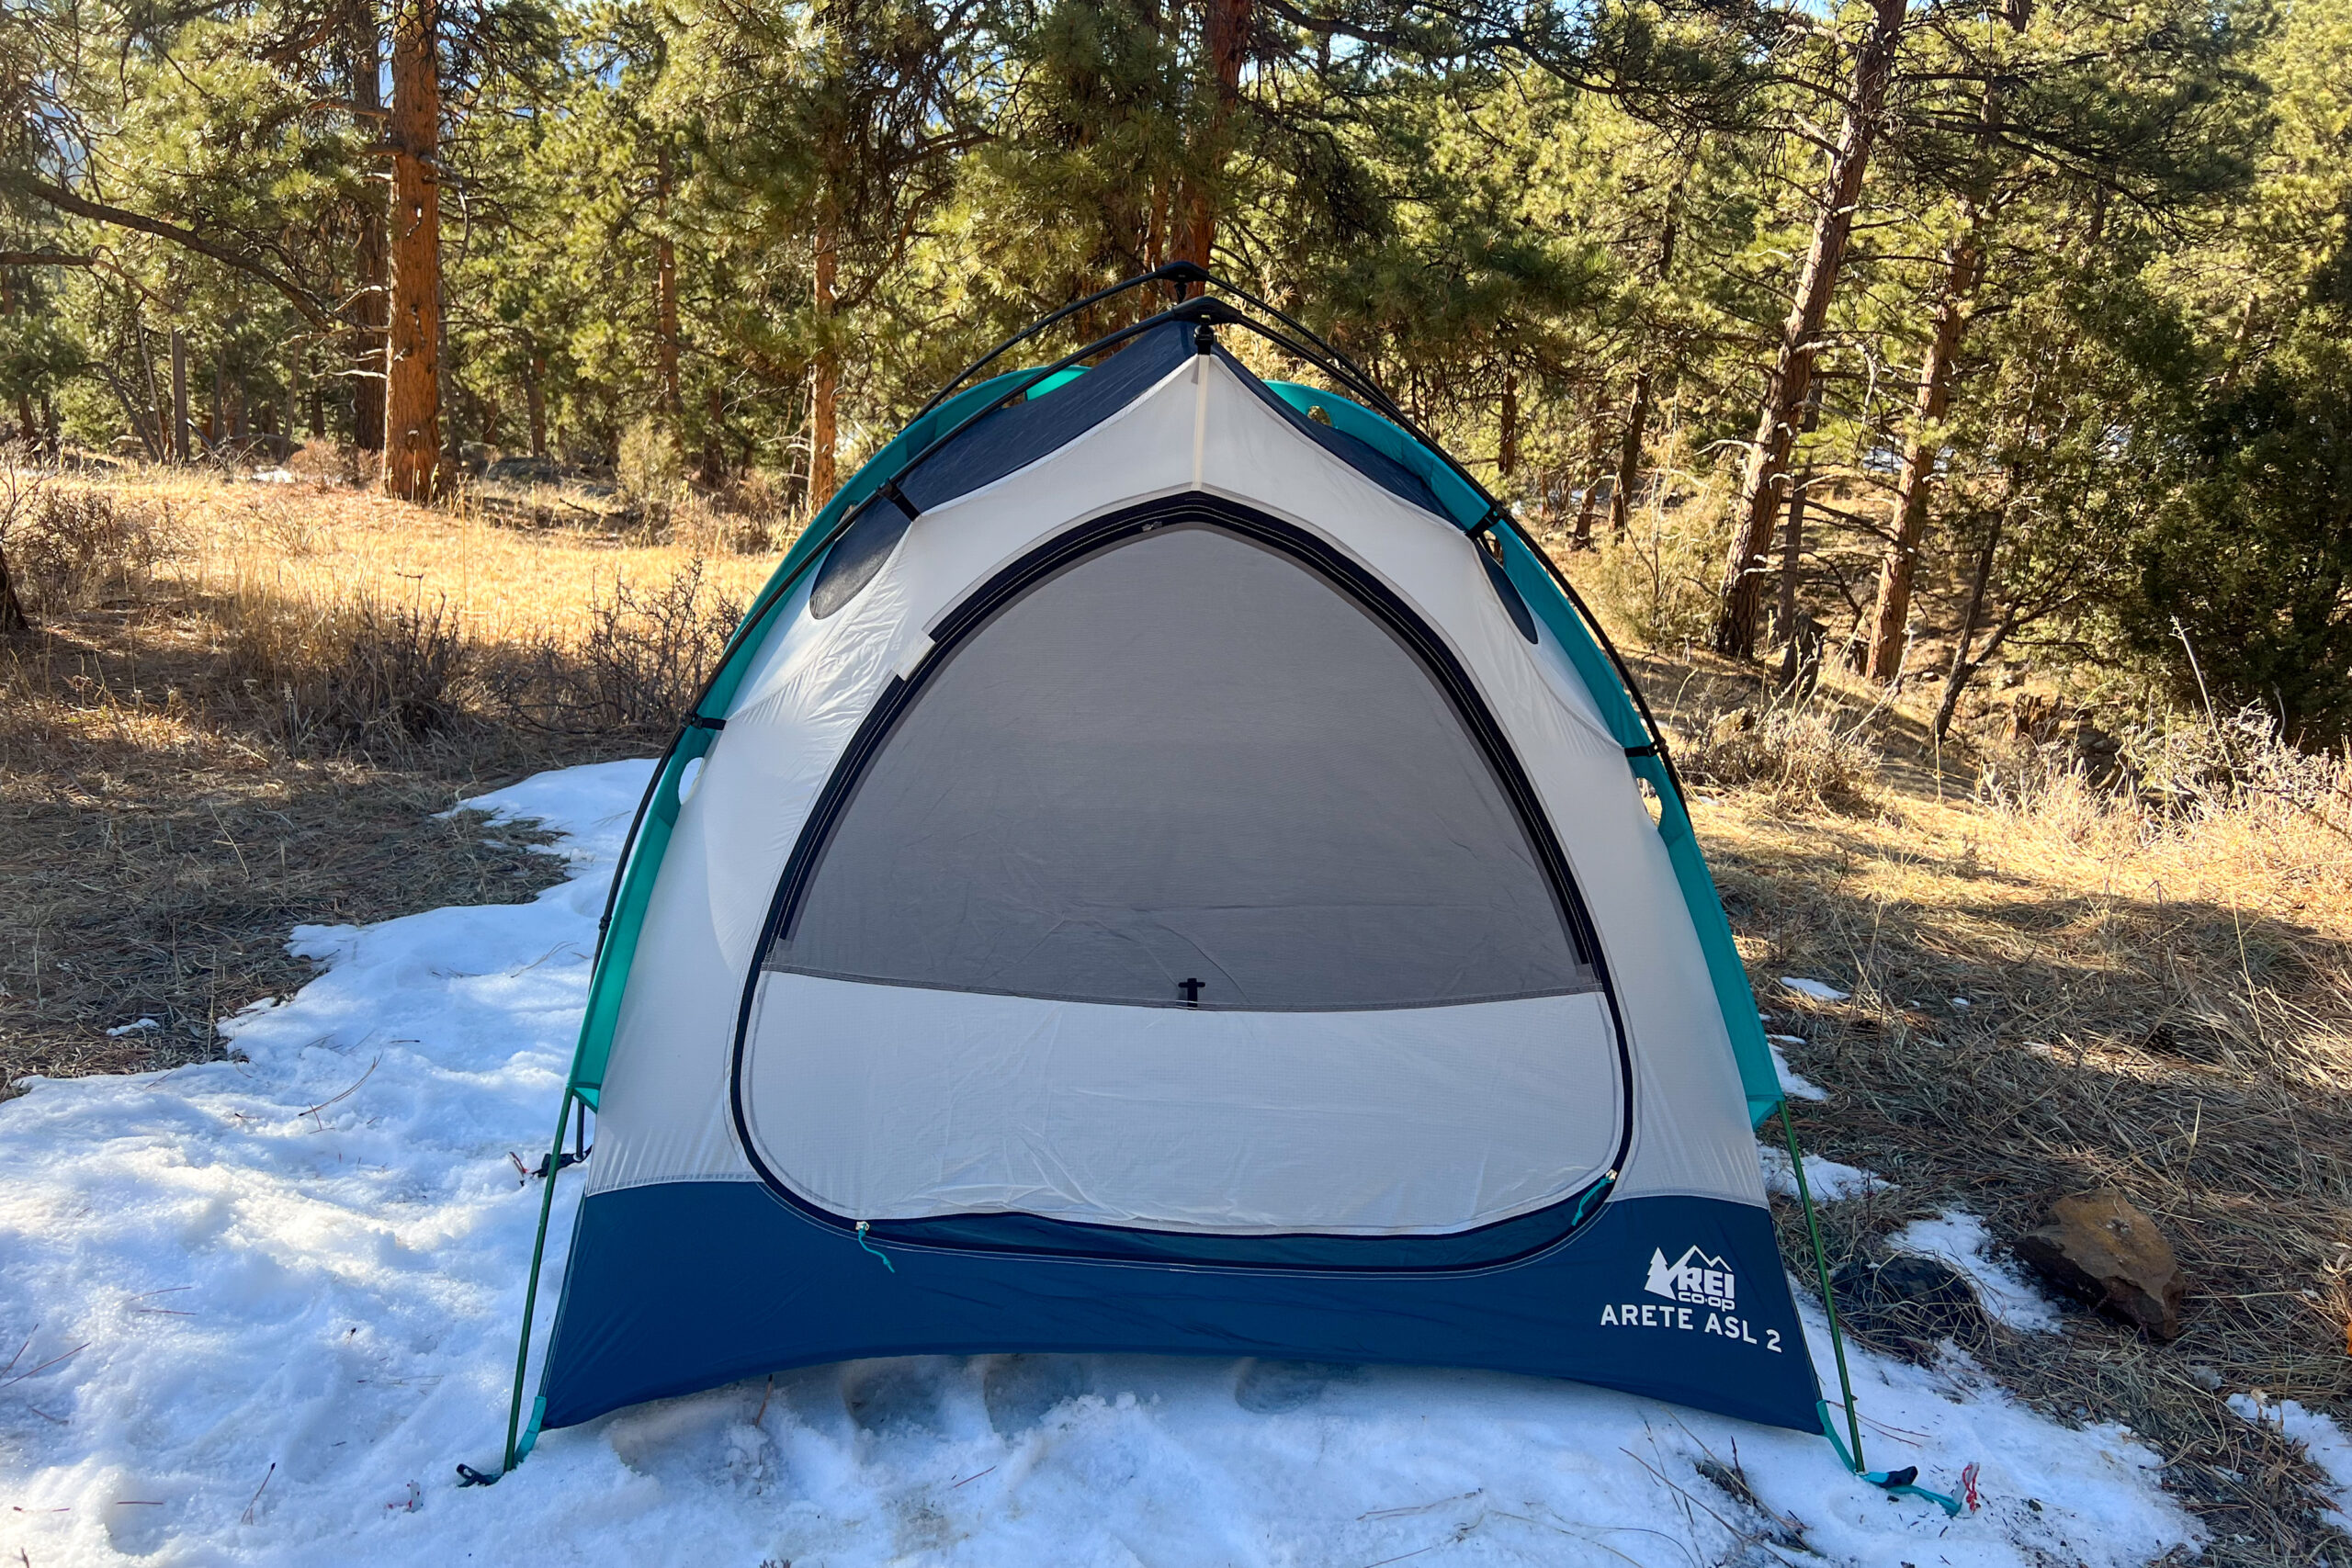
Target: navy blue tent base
687, 1286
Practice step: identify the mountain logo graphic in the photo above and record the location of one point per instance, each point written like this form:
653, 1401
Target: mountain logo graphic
1695, 1279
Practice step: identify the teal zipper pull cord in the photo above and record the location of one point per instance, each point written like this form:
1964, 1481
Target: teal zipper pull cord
871, 1248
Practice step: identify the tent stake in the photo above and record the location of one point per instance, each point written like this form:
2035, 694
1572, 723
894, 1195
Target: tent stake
1821, 1266
531, 1291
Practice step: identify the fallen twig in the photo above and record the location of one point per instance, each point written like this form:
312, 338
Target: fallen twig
44, 1366
257, 1492
312, 1111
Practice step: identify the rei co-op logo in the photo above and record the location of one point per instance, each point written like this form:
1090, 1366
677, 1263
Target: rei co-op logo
1697, 1280
1691, 1284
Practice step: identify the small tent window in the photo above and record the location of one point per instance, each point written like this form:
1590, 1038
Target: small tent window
1187, 770
856, 556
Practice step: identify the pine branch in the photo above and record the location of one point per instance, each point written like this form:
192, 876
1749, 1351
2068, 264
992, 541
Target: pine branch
65, 200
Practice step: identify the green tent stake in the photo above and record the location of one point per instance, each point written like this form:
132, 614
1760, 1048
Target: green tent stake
531, 1291
1828, 1297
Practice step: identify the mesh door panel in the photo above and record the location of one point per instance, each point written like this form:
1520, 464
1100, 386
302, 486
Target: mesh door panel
1187, 757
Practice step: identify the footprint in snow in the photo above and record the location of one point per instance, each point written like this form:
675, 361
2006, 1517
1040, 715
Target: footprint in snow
1021, 1391
1270, 1388
892, 1396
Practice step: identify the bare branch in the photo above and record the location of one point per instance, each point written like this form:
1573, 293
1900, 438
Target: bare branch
65, 200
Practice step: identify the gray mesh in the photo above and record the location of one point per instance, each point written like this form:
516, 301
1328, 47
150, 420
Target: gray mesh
1187, 757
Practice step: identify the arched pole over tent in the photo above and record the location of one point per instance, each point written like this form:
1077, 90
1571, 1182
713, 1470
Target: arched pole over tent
1390, 431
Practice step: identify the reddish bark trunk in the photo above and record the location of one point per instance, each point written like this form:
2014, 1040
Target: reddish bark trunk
1507, 446
1589, 503
181, 444
825, 380
665, 289
1763, 485
1629, 459
412, 401
1225, 26
535, 400
1882, 660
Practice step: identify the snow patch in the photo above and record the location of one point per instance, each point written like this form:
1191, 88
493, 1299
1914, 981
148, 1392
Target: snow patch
313, 1259
1819, 990
1829, 1181
1791, 1081
2324, 1441
1961, 1240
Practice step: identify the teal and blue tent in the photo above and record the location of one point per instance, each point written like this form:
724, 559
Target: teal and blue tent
1168, 865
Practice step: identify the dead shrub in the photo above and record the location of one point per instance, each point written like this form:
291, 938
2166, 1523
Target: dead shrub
1797, 754
640, 664
70, 548
328, 463
2168, 776
330, 674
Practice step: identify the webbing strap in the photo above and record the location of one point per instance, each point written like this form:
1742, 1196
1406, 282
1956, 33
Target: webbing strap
1898, 1484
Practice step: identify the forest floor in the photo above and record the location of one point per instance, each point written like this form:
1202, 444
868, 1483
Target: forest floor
2046, 989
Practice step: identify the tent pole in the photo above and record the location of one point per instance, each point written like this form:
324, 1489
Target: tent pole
531, 1291
1821, 1266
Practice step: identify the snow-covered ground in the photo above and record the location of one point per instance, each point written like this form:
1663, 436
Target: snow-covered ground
266, 1305
2324, 1441
1793, 1084
1961, 1240
1828, 1181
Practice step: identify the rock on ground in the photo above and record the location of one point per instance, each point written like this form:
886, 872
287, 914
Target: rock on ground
2100, 1248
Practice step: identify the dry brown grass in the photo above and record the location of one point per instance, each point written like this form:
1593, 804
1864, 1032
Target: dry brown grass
321, 544
241, 706
1815, 753
2160, 1001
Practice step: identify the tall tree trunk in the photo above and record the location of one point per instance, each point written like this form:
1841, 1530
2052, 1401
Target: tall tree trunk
1224, 37
535, 399
714, 433
1793, 542
825, 381
1792, 557
26, 434
1629, 459
412, 401
1963, 664
1590, 502
1791, 379
1883, 659
1800, 638
452, 404
666, 288
1963, 266
12, 609
180, 443
369, 257
1506, 446
1637, 418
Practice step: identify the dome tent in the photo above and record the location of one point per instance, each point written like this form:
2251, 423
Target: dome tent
1163, 867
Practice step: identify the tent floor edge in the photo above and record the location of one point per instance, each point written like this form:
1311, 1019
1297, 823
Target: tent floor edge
655, 1306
